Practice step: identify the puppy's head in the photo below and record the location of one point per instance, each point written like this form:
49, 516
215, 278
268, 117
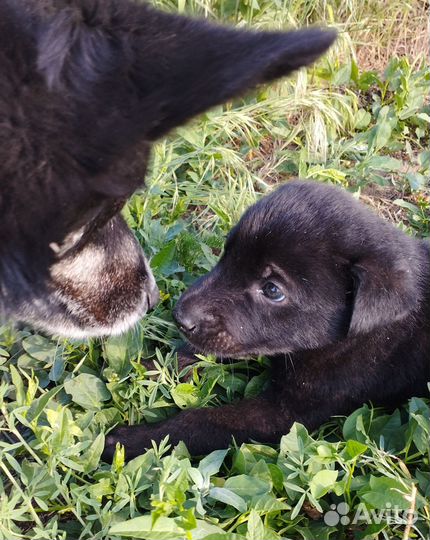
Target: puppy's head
305, 267
86, 86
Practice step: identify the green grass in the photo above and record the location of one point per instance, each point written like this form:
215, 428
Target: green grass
348, 121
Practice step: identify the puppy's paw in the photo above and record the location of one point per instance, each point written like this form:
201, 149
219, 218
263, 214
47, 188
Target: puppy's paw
109, 449
186, 357
135, 439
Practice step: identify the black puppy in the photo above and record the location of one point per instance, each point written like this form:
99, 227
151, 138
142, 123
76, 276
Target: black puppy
338, 298
85, 86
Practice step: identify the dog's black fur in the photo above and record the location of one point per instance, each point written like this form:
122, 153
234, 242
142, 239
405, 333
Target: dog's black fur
85, 86
348, 320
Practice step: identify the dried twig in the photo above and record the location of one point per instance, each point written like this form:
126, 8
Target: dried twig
411, 513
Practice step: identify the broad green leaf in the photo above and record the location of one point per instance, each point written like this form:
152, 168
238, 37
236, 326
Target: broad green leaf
40, 348
19, 386
38, 405
423, 478
186, 520
342, 75
255, 385
101, 489
418, 405
211, 464
322, 482
91, 458
383, 163
57, 368
117, 353
107, 417
424, 116
277, 476
243, 460
209, 531
419, 424
88, 391
72, 464
165, 260
197, 477
261, 471
381, 133
268, 503
185, 395
255, 527
354, 425
296, 441
417, 180
354, 449
387, 431
368, 79
413, 105
193, 135
227, 496
247, 486
424, 159
233, 383
64, 429
164, 528
387, 492
27, 362
362, 119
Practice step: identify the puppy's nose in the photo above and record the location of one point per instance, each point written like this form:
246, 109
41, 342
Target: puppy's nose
186, 322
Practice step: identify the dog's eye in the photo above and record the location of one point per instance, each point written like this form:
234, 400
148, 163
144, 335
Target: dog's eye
272, 292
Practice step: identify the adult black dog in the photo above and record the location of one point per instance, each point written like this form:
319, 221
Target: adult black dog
85, 86
338, 298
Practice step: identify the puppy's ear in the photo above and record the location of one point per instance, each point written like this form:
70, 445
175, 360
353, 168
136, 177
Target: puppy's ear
383, 293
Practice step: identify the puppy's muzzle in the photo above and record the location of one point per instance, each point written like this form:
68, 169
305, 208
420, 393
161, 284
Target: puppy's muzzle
192, 319
186, 321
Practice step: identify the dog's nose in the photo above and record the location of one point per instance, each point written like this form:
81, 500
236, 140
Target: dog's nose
186, 322
153, 297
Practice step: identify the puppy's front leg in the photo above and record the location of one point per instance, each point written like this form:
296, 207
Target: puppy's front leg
204, 430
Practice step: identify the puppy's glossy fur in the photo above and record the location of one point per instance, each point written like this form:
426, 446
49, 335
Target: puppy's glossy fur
85, 86
338, 298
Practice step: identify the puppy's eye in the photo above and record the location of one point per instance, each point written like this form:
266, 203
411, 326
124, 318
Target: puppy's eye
272, 292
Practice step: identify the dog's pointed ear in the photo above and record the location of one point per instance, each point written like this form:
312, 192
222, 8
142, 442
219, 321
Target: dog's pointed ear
288, 51
144, 71
385, 291
208, 65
